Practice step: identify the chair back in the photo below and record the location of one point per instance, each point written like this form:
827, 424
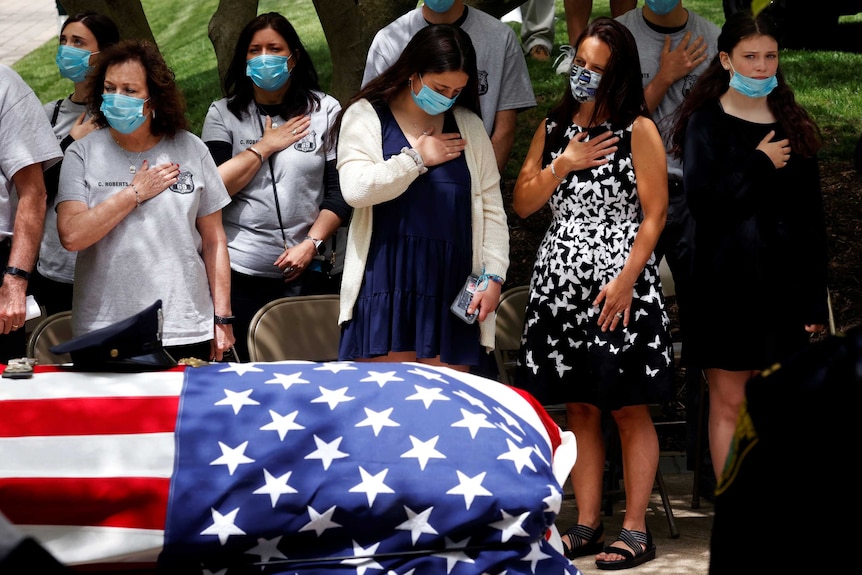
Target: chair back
53, 330
509, 327
301, 327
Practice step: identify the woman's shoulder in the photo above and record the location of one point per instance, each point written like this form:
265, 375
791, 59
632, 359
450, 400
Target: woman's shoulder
466, 117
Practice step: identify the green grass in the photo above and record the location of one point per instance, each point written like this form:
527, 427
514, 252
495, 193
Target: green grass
826, 83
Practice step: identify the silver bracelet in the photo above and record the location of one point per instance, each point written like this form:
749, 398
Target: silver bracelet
554, 172
416, 157
137, 196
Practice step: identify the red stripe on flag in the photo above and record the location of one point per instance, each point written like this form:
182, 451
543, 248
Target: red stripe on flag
128, 502
87, 416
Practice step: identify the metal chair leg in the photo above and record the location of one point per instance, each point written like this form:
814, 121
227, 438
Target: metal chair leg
665, 500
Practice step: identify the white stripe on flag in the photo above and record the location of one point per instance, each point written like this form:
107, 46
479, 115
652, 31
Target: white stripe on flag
77, 544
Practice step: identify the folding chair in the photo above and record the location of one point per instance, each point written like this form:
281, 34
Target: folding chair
509, 325
301, 327
53, 330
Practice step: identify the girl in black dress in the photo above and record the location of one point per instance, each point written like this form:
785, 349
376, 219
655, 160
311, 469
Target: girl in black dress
752, 183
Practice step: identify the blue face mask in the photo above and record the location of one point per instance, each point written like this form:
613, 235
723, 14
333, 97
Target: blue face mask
661, 7
439, 6
752, 87
124, 113
74, 63
268, 71
431, 102
584, 84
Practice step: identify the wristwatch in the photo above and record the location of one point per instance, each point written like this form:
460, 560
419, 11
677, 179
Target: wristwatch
318, 244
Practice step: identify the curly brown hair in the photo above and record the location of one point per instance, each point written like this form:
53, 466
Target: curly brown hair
169, 105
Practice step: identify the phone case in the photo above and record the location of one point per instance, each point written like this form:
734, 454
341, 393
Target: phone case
465, 296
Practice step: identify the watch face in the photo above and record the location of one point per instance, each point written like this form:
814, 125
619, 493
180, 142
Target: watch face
321, 247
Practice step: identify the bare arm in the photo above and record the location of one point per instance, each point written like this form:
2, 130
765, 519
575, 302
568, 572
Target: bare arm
674, 65
503, 137
27, 234
237, 172
535, 184
217, 264
80, 226
650, 166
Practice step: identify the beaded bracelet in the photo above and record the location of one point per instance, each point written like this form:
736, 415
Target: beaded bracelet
554, 172
416, 157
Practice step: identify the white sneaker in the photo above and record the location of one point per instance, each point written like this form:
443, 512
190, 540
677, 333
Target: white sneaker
564, 61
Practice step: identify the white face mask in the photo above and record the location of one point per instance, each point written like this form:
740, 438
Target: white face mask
584, 83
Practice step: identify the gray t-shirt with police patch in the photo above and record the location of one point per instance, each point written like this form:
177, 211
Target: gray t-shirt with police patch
251, 221
155, 251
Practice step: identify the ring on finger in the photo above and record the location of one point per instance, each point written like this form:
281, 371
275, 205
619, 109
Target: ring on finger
293, 131
619, 315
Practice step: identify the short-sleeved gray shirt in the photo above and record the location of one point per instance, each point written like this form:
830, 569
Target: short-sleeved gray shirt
56, 262
251, 220
155, 252
650, 45
25, 139
504, 82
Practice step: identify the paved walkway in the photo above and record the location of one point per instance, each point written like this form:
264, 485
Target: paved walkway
24, 26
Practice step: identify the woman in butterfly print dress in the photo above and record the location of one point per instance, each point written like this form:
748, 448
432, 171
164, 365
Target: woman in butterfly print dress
596, 335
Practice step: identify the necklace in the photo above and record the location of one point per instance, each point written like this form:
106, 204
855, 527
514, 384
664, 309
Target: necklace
418, 130
132, 164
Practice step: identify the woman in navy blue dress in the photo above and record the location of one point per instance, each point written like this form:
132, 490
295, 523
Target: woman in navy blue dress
418, 167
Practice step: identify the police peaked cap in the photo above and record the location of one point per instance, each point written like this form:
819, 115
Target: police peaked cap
132, 344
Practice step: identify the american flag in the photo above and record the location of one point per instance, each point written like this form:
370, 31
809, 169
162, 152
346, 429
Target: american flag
290, 467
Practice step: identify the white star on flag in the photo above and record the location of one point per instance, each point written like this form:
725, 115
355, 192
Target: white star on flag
274, 486
326, 452
473, 421
233, 457
320, 522
511, 525
381, 377
377, 420
282, 423
285, 380
456, 555
423, 450
237, 399
363, 560
520, 456
427, 395
223, 525
336, 366
371, 485
241, 368
332, 397
267, 549
417, 523
469, 487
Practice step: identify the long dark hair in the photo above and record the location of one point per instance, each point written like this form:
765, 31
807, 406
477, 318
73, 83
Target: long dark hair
803, 133
620, 95
434, 49
102, 27
165, 97
300, 97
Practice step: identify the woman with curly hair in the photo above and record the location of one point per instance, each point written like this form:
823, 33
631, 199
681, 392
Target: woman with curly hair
140, 200
753, 187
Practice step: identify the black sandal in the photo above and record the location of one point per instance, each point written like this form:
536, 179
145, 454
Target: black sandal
635, 540
589, 541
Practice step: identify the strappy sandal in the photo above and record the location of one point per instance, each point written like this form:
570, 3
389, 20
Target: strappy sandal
589, 540
634, 540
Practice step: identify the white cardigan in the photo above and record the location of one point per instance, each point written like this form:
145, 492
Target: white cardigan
366, 179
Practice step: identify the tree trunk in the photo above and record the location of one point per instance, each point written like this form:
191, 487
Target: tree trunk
350, 26
128, 15
224, 29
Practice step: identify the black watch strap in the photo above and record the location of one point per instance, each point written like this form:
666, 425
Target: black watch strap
224, 319
13, 271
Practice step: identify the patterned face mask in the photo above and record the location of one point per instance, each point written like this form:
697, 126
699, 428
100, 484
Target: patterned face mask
584, 83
